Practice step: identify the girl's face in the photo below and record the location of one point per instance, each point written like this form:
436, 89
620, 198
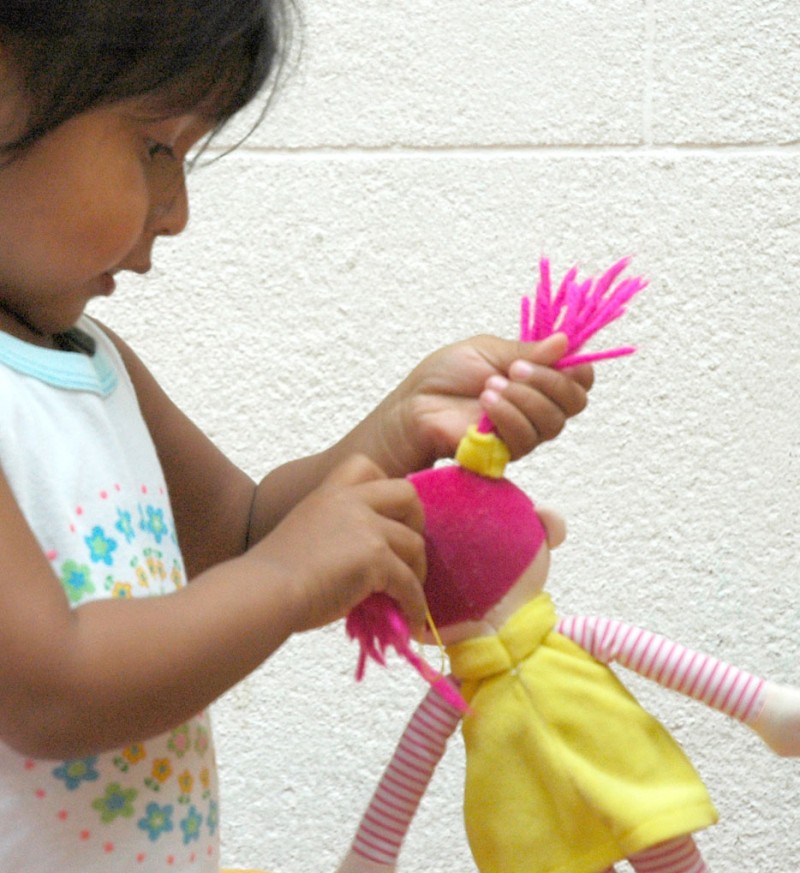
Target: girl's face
85, 202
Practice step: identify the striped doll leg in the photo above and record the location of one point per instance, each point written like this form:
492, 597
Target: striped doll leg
380, 835
680, 855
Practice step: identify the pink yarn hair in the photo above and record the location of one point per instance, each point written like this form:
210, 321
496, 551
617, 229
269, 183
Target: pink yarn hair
578, 309
377, 623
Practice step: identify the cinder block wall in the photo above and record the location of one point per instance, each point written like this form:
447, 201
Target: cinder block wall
417, 161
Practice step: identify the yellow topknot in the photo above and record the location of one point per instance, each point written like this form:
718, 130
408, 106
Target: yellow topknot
483, 453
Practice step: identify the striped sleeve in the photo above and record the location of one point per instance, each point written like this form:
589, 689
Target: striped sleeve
721, 686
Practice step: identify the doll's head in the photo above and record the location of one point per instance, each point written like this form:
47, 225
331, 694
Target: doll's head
487, 552
483, 536
481, 533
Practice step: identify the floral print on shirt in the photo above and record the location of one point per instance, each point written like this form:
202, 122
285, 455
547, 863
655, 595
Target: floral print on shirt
103, 547
165, 788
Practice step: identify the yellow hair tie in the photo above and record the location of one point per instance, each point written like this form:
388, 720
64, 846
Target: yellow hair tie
483, 453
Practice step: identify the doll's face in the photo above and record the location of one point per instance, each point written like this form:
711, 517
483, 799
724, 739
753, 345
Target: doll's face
528, 585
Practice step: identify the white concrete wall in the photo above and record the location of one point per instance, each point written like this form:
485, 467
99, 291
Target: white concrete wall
412, 170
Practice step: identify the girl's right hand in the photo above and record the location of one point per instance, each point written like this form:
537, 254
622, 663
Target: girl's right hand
358, 533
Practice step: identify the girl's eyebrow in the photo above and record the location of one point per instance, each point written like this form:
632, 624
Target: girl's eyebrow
140, 117
151, 110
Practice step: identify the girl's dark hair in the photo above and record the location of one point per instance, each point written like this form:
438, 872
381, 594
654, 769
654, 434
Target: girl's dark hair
211, 56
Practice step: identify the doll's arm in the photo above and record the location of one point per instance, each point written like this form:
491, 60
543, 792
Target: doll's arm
719, 685
384, 825
771, 710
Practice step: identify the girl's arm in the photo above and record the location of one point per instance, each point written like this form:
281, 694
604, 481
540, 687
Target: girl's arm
424, 418
219, 510
74, 682
514, 383
337, 532
172, 655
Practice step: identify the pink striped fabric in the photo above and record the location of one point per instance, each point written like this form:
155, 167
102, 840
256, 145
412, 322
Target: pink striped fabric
680, 855
715, 683
395, 801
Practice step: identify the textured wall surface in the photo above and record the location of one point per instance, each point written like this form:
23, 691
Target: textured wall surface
417, 161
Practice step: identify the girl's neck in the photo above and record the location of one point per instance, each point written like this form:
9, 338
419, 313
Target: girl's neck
12, 322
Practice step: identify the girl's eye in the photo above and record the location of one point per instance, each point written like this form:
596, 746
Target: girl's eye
159, 148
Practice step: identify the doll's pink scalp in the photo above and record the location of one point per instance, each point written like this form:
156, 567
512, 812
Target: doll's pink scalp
480, 535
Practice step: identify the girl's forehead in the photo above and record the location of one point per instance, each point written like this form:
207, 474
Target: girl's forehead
207, 93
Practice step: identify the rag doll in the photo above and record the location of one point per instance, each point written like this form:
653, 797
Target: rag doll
565, 772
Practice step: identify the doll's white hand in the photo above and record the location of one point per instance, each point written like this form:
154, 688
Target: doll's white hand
778, 723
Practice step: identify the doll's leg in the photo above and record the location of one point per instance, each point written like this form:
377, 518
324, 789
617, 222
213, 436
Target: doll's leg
772, 710
384, 825
680, 855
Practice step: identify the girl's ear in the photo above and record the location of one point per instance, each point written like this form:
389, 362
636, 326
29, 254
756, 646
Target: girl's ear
554, 525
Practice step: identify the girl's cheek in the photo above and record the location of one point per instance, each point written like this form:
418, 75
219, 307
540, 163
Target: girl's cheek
106, 233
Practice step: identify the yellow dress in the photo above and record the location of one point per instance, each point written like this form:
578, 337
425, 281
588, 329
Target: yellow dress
566, 773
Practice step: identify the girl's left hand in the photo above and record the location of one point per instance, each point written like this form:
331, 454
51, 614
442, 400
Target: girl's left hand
512, 382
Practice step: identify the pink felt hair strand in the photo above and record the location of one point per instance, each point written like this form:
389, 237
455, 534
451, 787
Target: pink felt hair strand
376, 623
579, 309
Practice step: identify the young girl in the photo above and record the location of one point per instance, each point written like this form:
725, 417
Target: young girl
111, 499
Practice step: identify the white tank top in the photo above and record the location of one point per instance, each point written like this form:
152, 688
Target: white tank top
80, 461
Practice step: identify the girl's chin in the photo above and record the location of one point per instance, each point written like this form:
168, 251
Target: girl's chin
107, 284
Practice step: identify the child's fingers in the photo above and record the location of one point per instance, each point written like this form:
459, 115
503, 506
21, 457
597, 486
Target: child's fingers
398, 567
522, 432
405, 588
405, 568
559, 387
583, 374
501, 353
526, 416
409, 545
395, 499
522, 361
549, 352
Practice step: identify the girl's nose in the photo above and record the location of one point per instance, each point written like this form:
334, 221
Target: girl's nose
170, 217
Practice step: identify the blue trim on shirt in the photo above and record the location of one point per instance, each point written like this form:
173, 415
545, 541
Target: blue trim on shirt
71, 370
